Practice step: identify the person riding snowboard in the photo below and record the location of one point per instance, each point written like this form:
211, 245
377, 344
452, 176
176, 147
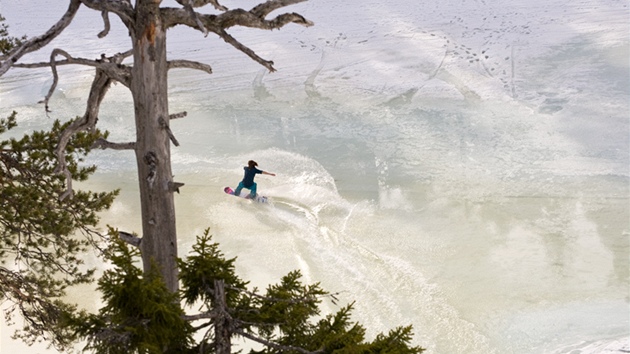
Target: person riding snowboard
248, 179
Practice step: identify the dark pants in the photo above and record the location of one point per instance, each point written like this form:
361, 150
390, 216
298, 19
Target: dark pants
252, 190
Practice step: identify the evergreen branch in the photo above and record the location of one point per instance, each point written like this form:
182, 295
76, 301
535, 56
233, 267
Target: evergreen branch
308, 297
274, 344
40, 314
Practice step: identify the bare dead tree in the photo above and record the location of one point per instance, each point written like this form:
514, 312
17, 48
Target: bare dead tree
146, 77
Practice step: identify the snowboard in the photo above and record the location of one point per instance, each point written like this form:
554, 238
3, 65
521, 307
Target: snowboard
259, 198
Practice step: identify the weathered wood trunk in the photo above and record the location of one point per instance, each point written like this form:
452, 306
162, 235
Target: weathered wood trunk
149, 89
222, 321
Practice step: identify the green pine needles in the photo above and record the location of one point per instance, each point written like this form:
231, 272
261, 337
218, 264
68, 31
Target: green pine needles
141, 316
43, 239
7, 42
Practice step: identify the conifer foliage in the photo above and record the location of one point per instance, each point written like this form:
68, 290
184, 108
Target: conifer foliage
141, 316
8, 42
43, 240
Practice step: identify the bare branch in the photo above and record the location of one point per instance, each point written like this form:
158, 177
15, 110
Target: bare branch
255, 18
200, 3
53, 67
103, 144
36, 43
100, 85
68, 192
81, 61
174, 186
199, 316
273, 344
264, 9
240, 17
111, 66
177, 115
194, 15
119, 57
106, 24
122, 8
173, 64
217, 6
250, 53
165, 126
130, 238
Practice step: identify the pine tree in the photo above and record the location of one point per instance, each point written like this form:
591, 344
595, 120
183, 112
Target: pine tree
43, 239
141, 316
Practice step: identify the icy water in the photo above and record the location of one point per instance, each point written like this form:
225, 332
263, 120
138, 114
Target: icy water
462, 166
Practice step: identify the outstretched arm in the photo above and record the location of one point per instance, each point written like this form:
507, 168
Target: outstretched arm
268, 173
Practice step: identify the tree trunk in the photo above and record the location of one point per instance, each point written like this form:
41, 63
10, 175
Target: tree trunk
153, 156
222, 321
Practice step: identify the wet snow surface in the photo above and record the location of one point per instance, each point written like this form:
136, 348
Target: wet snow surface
461, 166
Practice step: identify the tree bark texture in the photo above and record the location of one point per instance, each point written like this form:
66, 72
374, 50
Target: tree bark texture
222, 321
150, 96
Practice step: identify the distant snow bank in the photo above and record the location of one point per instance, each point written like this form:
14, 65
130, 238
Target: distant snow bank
614, 346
